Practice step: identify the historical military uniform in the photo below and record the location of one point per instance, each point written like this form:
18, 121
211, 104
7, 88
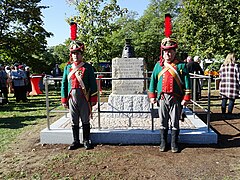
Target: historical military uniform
79, 91
169, 85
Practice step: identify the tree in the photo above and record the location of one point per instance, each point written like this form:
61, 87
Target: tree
95, 23
52, 55
150, 29
104, 31
146, 32
209, 28
126, 27
21, 31
61, 53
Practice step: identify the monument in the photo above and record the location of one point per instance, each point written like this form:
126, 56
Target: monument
128, 95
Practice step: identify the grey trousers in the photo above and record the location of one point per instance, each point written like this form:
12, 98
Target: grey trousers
169, 111
78, 107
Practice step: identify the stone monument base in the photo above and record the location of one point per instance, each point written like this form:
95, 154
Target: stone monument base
118, 131
138, 104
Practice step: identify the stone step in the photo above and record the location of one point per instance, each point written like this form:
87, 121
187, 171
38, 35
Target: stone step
117, 131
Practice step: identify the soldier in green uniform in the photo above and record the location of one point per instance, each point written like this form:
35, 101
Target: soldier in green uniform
170, 86
79, 94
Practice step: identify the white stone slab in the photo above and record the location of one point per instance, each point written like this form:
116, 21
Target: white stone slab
127, 68
135, 103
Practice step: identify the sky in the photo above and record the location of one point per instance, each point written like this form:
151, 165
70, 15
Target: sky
55, 17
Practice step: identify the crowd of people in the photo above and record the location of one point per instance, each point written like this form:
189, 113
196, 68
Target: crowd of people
15, 79
229, 75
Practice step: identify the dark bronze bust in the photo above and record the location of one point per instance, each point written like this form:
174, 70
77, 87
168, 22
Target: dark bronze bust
128, 50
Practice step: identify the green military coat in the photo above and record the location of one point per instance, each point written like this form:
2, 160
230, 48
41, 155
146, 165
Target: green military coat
88, 79
167, 83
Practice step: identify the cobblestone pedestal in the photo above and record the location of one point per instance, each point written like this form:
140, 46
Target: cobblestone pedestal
135, 103
125, 131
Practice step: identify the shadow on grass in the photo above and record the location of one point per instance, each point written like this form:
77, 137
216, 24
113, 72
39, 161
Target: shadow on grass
31, 105
18, 122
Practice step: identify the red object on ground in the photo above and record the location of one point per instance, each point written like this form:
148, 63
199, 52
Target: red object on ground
35, 79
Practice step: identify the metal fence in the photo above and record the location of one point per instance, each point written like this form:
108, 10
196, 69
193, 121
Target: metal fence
146, 80
207, 110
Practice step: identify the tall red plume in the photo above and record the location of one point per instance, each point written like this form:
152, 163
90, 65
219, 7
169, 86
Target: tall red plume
73, 31
168, 25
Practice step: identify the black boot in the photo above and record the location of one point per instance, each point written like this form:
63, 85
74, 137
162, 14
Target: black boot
223, 110
174, 142
164, 134
76, 142
86, 136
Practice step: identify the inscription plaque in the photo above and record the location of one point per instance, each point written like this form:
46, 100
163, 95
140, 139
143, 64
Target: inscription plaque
127, 68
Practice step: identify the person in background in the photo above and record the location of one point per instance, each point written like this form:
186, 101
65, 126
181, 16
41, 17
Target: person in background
201, 64
56, 72
28, 80
3, 84
9, 80
184, 57
170, 87
19, 76
23, 73
79, 94
199, 61
107, 69
229, 82
94, 69
194, 67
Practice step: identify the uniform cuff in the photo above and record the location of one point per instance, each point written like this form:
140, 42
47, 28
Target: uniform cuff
152, 95
64, 100
93, 99
187, 97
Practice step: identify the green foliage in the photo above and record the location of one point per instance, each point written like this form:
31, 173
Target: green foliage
42, 63
215, 66
116, 40
209, 28
146, 32
61, 56
61, 52
203, 28
95, 22
217, 62
21, 31
53, 55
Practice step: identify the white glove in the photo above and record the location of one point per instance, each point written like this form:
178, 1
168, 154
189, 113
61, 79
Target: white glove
64, 105
153, 100
184, 102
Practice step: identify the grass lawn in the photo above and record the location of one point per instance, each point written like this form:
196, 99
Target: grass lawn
18, 117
